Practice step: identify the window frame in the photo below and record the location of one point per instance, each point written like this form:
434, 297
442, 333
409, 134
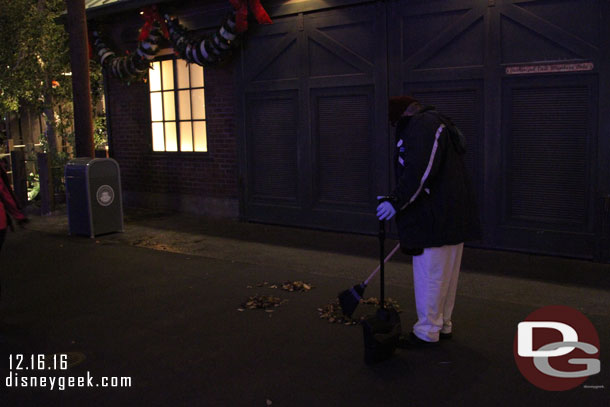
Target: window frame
177, 120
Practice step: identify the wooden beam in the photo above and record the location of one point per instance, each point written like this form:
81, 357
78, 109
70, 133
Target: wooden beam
81, 88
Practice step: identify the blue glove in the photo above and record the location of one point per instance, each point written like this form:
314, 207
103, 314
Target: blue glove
385, 211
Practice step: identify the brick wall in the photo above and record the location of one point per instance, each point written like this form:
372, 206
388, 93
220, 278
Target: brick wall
203, 183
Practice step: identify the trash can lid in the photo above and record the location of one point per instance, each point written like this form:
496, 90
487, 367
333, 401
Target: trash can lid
103, 167
80, 161
88, 161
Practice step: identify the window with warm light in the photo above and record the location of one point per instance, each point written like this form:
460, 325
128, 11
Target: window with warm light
177, 106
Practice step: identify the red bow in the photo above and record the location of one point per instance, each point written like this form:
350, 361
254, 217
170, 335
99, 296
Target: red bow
241, 8
150, 16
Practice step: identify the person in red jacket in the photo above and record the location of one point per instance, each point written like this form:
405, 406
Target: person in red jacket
8, 206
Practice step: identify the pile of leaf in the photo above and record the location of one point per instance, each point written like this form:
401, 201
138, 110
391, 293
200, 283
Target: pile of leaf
296, 286
266, 302
389, 303
333, 314
263, 284
287, 286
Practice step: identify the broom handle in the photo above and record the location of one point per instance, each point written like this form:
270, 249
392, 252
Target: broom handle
388, 257
382, 263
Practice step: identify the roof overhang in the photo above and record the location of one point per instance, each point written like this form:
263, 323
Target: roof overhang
102, 8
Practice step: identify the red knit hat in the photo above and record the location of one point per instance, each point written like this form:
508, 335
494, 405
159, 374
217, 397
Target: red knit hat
397, 106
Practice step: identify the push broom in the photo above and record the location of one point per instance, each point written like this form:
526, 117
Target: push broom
350, 298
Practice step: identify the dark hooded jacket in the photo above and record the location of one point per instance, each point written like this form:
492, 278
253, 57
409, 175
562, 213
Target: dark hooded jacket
434, 196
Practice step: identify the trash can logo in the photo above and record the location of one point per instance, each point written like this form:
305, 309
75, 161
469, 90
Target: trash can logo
105, 195
556, 348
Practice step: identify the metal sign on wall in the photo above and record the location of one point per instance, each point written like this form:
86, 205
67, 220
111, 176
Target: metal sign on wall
549, 68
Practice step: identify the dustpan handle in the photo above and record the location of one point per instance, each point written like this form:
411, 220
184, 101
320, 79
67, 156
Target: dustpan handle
381, 263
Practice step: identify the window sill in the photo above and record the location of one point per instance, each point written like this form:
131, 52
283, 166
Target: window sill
181, 154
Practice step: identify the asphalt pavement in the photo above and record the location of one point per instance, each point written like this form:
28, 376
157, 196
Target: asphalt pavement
163, 305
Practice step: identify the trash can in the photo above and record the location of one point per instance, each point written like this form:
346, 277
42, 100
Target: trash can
93, 196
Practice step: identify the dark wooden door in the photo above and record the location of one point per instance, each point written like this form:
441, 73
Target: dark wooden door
521, 79
314, 148
437, 53
527, 82
549, 68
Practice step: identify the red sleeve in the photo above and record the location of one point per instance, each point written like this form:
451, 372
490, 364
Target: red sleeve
9, 202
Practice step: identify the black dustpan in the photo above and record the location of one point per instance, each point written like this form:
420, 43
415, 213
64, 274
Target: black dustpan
381, 334
381, 330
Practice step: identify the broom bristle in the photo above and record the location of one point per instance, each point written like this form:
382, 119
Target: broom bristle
349, 299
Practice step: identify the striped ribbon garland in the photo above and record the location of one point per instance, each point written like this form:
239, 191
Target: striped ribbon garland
208, 50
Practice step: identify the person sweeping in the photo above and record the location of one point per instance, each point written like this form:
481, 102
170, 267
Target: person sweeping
435, 208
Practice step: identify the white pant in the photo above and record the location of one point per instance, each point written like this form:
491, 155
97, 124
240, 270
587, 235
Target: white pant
435, 277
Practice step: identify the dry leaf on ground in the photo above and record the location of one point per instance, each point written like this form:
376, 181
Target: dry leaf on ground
286, 286
389, 302
296, 286
332, 312
262, 302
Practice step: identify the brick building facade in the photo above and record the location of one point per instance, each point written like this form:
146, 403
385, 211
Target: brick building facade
195, 182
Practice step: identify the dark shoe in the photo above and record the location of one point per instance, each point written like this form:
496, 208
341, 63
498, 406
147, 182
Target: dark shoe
445, 336
412, 342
